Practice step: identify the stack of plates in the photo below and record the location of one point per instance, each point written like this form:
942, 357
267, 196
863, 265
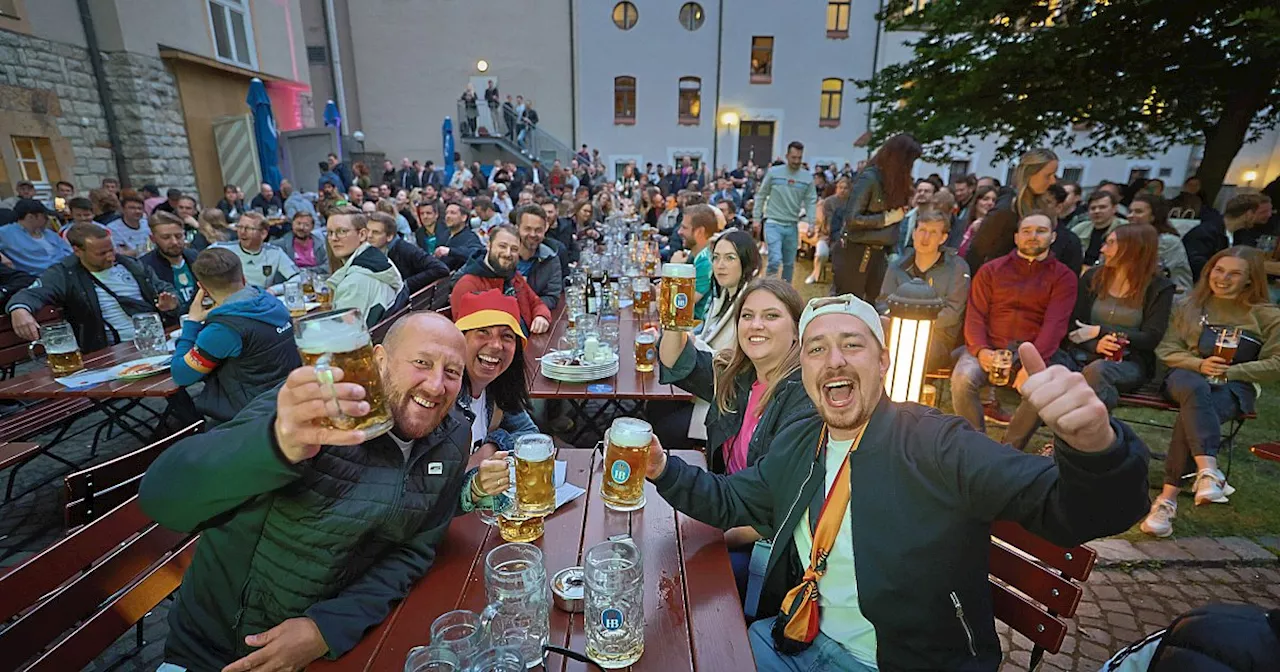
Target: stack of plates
559, 365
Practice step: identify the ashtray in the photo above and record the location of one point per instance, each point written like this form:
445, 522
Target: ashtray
569, 587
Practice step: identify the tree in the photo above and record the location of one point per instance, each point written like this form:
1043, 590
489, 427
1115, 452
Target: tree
1101, 77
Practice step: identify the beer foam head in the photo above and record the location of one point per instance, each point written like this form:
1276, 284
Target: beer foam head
630, 432
534, 447
323, 336
679, 271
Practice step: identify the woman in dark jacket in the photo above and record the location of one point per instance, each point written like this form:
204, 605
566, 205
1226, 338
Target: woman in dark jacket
1037, 170
869, 220
1123, 299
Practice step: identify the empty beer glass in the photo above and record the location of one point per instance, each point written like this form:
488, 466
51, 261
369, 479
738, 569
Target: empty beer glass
626, 456
676, 297
614, 615
61, 348
340, 339
461, 632
295, 299
535, 475
148, 334
431, 659
515, 583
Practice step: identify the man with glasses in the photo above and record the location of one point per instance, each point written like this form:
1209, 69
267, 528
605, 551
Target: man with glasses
264, 264
366, 279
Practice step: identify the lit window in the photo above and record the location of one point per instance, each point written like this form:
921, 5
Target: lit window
624, 100
832, 98
959, 168
232, 32
690, 100
625, 15
761, 60
838, 18
691, 16
915, 6
1073, 174
31, 155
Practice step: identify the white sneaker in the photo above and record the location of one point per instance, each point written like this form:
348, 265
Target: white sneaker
810, 280
1211, 486
1160, 521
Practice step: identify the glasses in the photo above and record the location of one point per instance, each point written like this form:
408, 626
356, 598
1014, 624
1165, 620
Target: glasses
246, 229
340, 233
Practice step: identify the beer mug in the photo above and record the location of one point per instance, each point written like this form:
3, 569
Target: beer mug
641, 296
148, 334
676, 297
308, 280
431, 659
324, 293
517, 527
626, 456
515, 583
534, 456
1225, 343
340, 339
614, 615
295, 299
60, 347
461, 633
1001, 367
646, 350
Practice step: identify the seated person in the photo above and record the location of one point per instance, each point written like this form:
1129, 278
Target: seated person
267, 200
29, 243
1153, 211
539, 262
1026, 295
289, 566
265, 264
457, 243
1232, 292
428, 218
1124, 297
130, 231
497, 270
495, 395
98, 291
241, 347
700, 223
301, 245
172, 259
1212, 235
917, 489
735, 262
418, 268
362, 277
1102, 220
12, 281
945, 272
1066, 246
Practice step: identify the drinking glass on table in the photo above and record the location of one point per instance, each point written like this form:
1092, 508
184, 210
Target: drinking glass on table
295, 299
1226, 341
148, 334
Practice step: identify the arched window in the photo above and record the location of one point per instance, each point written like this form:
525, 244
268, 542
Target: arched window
692, 16
690, 100
625, 15
832, 99
624, 100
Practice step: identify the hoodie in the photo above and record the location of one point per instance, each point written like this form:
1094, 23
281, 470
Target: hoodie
243, 348
477, 276
368, 281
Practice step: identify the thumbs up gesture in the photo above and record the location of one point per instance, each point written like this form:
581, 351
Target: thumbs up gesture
1066, 403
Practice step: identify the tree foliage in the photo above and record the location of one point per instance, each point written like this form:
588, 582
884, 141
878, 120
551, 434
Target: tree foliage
1131, 77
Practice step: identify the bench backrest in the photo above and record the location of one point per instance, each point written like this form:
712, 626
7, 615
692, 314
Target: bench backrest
13, 348
419, 300
91, 492
87, 589
1035, 583
425, 297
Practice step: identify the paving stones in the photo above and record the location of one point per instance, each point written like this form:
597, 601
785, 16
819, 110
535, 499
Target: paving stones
1247, 550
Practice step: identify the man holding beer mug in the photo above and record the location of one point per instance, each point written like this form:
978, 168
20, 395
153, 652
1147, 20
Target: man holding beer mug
919, 489
309, 534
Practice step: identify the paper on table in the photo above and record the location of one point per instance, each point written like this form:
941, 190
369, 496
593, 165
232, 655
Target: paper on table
87, 378
565, 492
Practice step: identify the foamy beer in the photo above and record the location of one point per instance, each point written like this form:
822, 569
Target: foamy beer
520, 529
676, 297
61, 348
626, 455
339, 339
646, 350
535, 475
641, 296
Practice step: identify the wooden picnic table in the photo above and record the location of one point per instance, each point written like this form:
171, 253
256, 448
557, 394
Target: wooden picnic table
693, 619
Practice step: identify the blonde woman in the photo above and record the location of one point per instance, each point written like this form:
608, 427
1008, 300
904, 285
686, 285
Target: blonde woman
1037, 171
212, 227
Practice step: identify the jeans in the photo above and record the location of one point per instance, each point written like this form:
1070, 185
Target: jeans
824, 654
967, 379
783, 240
1108, 379
1202, 408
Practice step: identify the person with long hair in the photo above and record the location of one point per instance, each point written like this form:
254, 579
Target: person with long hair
211, 228
1036, 171
363, 179
1230, 294
869, 220
1151, 209
984, 201
1121, 313
818, 235
652, 206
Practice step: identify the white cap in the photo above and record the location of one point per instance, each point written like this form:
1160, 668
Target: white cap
845, 304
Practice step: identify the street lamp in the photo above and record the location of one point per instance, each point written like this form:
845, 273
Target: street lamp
1249, 176
482, 65
913, 307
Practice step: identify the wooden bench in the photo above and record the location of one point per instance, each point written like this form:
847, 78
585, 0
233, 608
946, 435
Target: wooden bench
14, 348
419, 300
91, 492
425, 297
64, 606
1035, 585
30, 421
1267, 451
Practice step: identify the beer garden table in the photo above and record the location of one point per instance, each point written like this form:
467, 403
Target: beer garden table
693, 619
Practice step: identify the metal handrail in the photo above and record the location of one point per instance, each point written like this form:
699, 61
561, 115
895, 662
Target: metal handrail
527, 140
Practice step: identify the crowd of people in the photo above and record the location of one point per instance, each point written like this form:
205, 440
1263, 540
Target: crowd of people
1079, 297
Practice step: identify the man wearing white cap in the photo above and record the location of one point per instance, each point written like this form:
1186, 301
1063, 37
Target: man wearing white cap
879, 513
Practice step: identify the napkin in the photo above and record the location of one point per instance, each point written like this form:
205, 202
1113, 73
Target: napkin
86, 378
565, 491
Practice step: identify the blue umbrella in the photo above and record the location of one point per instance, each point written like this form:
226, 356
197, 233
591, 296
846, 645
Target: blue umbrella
333, 118
264, 131
447, 131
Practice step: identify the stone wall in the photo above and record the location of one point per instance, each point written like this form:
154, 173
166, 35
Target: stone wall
149, 120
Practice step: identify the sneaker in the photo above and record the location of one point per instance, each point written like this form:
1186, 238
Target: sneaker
810, 280
1210, 487
1159, 522
995, 414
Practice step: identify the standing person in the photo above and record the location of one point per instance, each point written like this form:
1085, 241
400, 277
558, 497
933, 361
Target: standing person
491, 101
1153, 210
342, 171
131, 233
1124, 298
925, 190
1066, 246
1102, 220
964, 189
418, 268
528, 121
701, 222
29, 242
264, 264
785, 191
360, 275
458, 242
171, 259
470, 109
509, 119
870, 217
984, 201
1232, 292
1036, 171
302, 246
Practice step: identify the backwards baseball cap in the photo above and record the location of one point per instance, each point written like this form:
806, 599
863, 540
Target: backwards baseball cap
490, 308
29, 206
845, 304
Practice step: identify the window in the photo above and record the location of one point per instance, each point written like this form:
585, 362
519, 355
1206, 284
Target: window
695, 160
317, 55
959, 168
832, 98
233, 32
690, 100
1008, 175
761, 60
914, 6
624, 100
31, 153
691, 16
838, 18
1143, 172
625, 15
1073, 174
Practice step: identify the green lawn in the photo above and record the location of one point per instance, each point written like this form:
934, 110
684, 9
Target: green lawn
1255, 507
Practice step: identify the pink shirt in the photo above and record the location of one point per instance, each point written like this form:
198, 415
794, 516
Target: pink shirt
303, 253
735, 449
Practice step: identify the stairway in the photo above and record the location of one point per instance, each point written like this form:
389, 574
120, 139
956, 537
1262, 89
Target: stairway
491, 129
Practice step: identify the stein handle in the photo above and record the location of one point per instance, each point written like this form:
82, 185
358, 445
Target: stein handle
324, 374
599, 447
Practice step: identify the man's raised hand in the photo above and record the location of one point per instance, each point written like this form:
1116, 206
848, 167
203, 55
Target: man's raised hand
1066, 403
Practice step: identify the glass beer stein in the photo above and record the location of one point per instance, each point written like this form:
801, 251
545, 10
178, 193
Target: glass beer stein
646, 350
515, 583
626, 455
515, 526
340, 339
295, 299
676, 297
614, 615
61, 348
1001, 367
534, 456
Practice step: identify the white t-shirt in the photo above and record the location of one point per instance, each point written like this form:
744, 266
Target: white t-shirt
406, 447
122, 234
119, 280
479, 426
262, 266
842, 618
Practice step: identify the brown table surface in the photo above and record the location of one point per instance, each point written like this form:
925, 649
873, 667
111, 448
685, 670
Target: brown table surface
1273, 267
693, 619
39, 383
627, 383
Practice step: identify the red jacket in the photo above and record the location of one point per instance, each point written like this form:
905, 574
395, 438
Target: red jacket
530, 305
1012, 299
